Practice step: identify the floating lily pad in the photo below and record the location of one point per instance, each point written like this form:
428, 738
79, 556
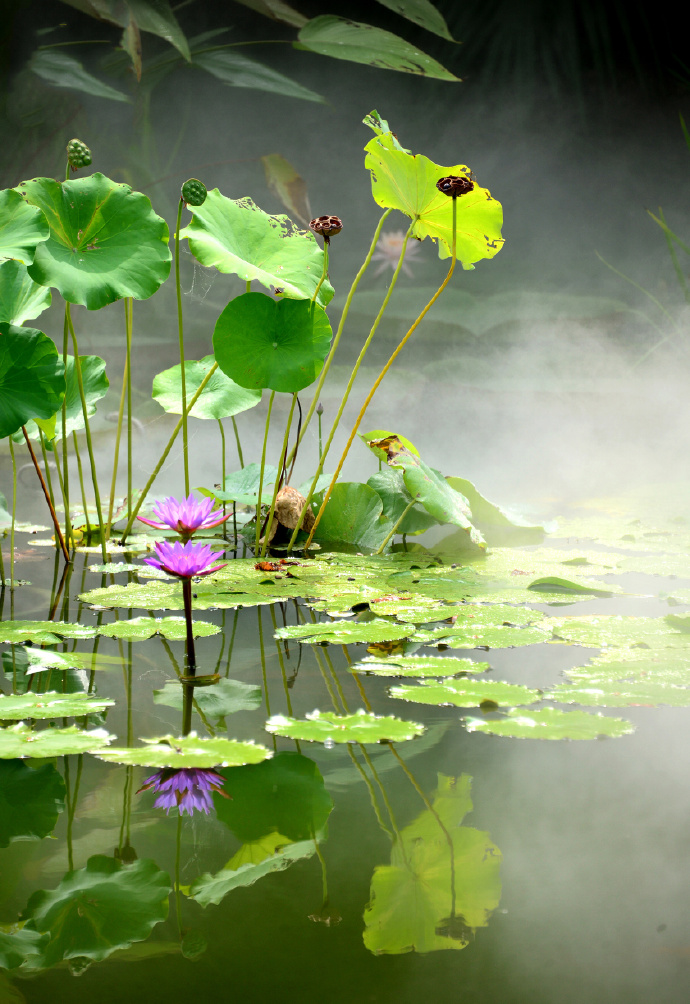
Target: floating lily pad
43, 632
223, 698
213, 888
465, 693
657, 665
21, 741
615, 631
30, 800
465, 636
619, 694
434, 666
220, 398
345, 632
551, 723
361, 727
190, 751
172, 628
16, 707
21, 299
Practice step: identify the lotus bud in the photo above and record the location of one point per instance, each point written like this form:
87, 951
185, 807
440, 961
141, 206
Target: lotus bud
194, 192
319, 409
327, 226
78, 154
455, 185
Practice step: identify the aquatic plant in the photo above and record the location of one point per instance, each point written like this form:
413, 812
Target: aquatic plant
186, 516
187, 789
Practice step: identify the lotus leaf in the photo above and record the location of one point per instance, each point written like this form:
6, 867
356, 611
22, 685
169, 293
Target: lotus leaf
16, 707
242, 486
223, 698
353, 515
32, 377
496, 526
434, 666
390, 487
360, 727
22, 228
465, 693
96, 386
422, 13
21, 741
619, 694
43, 632
237, 70
213, 888
141, 628
482, 637
220, 398
62, 70
16, 947
190, 751
30, 800
21, 299
345, 633
551, 723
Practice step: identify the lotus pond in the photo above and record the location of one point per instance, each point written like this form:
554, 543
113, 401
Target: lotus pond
344, 738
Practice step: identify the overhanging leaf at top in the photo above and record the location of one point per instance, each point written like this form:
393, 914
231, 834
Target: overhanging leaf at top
237, 70
21, 299
32, 380
61, 70
105, 240
238, 237
340, 38
400, 180
154, 16
277, 11
22, 227
220, 398
422, 13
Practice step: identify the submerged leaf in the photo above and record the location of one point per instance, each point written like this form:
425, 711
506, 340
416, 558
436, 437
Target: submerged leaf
222, 698
361, 727
213, 888
30, 800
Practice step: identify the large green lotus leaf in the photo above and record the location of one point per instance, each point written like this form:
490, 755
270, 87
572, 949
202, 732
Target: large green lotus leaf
96, 386
22, 228
402, 181
345, 632
16, 947
61, 70
30, 800
420, 666
21, 741
465, 693
190, 751
341, 38
619, 694
285, 795
16, 707
237, 70
32, 377
98, 909
213, 888
238, 237
242, 486
261, 343
390, 487
551, 723
430, 897
43, 632
496, 526
220, 398
223, 698
105, 240
353, 515
361, 727
482, 637
142, 628
21, 299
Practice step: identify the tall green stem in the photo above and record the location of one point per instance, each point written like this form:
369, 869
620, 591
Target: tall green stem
128, 360
239, 445
180, 333
87, 430
187, 598
383, 372
324, 273
46, 465
65, 466
397, 523
80, 471
350, 383
261, 473
222, 469
118, 434
14, 511
58, 531
279, 478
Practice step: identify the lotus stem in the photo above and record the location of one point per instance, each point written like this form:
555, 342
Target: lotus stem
46, 465
239, 445
14, 514
279, 479
2, 568
58, 531
324, 271
351, 381
118, 435
402, 516
261, 473
81, 485
187, 598
128, 359
377, 382
164, 456
263, 673
65, 462
180, 332
87, 430
222, 470
318, 415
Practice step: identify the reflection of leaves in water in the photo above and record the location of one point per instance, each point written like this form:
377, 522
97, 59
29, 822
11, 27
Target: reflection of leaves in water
428, 899
30, 800
251, 863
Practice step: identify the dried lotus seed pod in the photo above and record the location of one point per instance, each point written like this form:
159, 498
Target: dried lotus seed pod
327, 226
455, 185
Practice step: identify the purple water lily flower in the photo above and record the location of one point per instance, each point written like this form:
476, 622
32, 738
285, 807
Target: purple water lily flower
186, 516
187, 789
184, 560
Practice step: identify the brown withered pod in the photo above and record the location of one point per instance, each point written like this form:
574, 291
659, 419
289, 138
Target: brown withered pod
327, 226
289, 506
454, 185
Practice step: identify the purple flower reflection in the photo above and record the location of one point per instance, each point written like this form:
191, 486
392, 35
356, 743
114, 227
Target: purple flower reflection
186, 516
187, 789
184, 560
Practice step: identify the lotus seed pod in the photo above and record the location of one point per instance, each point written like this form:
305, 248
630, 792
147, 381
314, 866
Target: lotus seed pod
455, 185
78, 154
327, 226
194, 192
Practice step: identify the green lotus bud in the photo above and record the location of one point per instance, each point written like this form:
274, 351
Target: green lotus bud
194, 192
78, 154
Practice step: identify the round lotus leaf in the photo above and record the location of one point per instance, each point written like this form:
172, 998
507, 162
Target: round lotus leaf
105, 240
277, 344
32, 377
22, 227
327, 727
21, 741
551, 723
220, 398
21, 299
465, 693
190, 751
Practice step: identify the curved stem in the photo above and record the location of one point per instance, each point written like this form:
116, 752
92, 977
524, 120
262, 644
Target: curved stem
261, 473
164, 455
279, 478
180, 334
350, 383
118, 434
239, 445
14, 511
128, 362
402, 516
58, 531
81, 484
65, 465
382, 374
46, 465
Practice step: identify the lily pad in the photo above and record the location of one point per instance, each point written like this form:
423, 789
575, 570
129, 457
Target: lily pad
21, 299
220, 398
105, 240
16, 707
32, 377
213, 888
345, 632
551, 723
21, 741
190, 751
420, 666
30, 800
223, 698
619, 694
43, 632
353, 515
22, 228
261, 343
465, 693
238, 237
361, 727
142, 628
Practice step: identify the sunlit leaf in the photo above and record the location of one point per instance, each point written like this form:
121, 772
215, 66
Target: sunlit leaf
190, 751
434, 666
556, 584
619, 694
390, 487
495, 525
422, 13
213, 888
498, 636
237, 70
95, 384
30, 800
142, 628
341, 38
105, 240
16, 707
345, 632
21, 299
465, 693
361, 727
21, 741
223, 698
43, 632
61, 70
220, 398
22, 227
551, 723
32, 380
287, 185
353, 515
238, 237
